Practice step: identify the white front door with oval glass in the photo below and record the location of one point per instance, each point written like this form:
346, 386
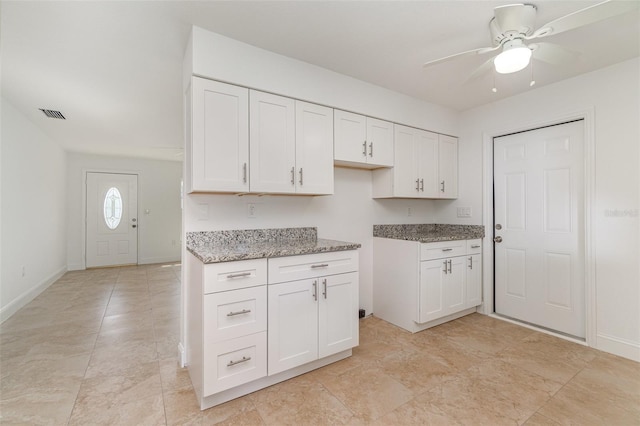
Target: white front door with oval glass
112, 219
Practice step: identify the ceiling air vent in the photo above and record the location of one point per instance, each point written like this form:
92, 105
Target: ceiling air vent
53, 114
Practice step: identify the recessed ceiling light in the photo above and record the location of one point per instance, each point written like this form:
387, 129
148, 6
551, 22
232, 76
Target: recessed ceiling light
53, 114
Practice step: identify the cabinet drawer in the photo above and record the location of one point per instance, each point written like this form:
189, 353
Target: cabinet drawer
234, 275
474, 246
235, 313
291, 268
234, 362
443, 249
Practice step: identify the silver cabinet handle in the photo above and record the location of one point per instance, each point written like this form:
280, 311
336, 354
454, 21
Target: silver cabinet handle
364, 148
233, 314
324, 289
240, 275
371, 149
300, 176
498, 239
447, 249
470, 262
418, 184
315, 290
445, 267
442, 186
475, 246
244, 173
319, 265
422, 185
293, 176
450, 266
240, 361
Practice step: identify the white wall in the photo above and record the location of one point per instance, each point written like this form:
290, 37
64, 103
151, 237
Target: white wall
159, 232
33, 211
350, 213
613, 95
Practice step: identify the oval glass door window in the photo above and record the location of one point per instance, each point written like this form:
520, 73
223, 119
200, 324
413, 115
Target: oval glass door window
112, 208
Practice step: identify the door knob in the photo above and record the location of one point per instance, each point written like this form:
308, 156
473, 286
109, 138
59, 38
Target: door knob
498, 239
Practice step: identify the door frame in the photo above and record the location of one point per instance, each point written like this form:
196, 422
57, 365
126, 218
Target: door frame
83, 185
588, 117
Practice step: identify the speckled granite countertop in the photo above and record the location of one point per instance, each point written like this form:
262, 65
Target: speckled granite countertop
429, 233
227, 246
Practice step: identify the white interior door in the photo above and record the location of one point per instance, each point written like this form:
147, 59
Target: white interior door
539, 227
112, 219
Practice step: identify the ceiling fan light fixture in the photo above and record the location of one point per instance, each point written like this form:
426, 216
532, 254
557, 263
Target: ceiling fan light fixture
515, 56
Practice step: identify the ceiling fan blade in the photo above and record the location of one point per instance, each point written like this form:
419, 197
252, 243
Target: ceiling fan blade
479, 51
552, 53
482, 69
595, 13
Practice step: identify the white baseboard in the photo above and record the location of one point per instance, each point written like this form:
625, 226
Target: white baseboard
617, 346
12, 307
183, 355
151, 260
75, 267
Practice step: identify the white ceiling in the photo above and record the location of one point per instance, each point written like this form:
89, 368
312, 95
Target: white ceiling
113, 68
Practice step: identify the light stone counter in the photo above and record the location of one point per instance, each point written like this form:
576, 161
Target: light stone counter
429, 233
228, 246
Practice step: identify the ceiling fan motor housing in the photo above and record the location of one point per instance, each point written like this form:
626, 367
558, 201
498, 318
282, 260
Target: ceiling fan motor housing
514, 21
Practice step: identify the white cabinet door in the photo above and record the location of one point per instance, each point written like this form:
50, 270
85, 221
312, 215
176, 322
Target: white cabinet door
272, 150
474, 280
293, 324
219, 150
362, 141
350, 137
427, 157
314, 149
405, 171
338, 314
448, 166
379, 146
432, 303
454, 285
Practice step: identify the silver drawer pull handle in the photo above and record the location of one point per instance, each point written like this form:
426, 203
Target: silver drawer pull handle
449, 249
475, 246
233, 314
240, 361
321, 265
243, 274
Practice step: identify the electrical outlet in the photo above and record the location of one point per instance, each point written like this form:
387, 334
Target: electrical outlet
464, 211
409, 212
252, 210
24, 271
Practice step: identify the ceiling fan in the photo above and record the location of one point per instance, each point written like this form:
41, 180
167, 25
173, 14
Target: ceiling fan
513, 26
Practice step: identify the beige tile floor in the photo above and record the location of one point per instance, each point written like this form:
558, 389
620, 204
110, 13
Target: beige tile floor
99, 347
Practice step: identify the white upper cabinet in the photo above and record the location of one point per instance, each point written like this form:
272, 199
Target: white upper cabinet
448, 162
425, 164
273, 143
219, 149
361, 141
291, 146
244, 140
314, 149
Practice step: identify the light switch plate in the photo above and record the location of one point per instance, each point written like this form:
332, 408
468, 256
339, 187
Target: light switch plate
252, 210
464, 211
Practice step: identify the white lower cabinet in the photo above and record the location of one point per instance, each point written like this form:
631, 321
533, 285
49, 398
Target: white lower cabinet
248, 329
314, 317
293, 317
420, 285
